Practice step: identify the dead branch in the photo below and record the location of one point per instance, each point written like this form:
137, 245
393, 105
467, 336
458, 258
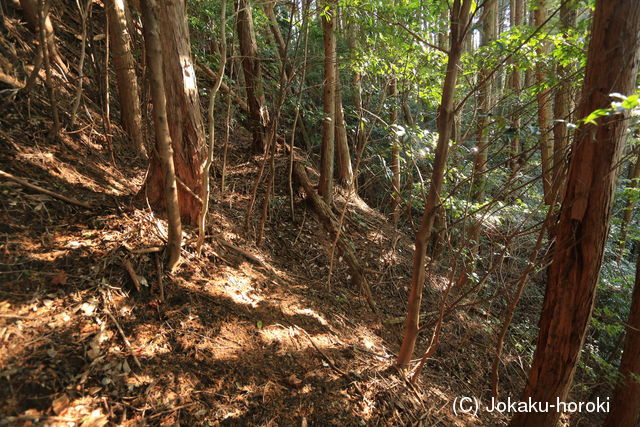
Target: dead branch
331, 363
124, 337
159, 270
132, 273
27, 184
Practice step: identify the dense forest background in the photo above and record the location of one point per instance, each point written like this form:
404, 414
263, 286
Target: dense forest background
326, 212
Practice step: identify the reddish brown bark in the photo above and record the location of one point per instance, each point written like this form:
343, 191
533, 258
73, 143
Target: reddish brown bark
327, 149
584, 216
163, 137
625, 406
343, 154
124, 65
459, 19
258, 114
183, 114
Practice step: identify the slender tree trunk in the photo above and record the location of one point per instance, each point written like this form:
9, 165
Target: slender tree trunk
459, 20
395, 154
517, 13
30, 9
125, 66
356, 85
343, 155
43, 16
325, 186
258, 113
529, 72
584, 216
489, 19
163, 136
634, 177
281, 44
562, 106
544, 108
183, 114
625, 406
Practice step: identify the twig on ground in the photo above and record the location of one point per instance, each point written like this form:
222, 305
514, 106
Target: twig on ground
132, 273
27, 184
119, 328
331, 363
159, 270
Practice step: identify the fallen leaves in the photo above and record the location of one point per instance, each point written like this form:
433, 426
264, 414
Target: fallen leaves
60, 278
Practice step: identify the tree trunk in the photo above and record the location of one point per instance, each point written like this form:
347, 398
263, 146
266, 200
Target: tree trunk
634, 177
325, 185
544, 109
343, 155
258, 113
395, 154
281, 44
562, 106
584, 216
30, 9
163, 136
356, 84
479, 181
625, 407
183, 114
125, 66
515, 160
459, 19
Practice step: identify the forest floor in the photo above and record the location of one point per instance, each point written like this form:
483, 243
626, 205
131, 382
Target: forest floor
252, 336
245, 334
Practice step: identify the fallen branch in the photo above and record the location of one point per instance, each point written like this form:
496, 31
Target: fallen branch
132, 273
27, 184
246, 254
124, 337
159, 270
330, 223
331, 363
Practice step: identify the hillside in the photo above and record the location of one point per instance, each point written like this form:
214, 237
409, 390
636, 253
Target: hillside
279, 320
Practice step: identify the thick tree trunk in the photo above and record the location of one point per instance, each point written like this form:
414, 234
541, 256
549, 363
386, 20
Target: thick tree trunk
625, 407
163, 136
183, 114
586, 208
125, 66
258, 113
325, 186
459, 19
